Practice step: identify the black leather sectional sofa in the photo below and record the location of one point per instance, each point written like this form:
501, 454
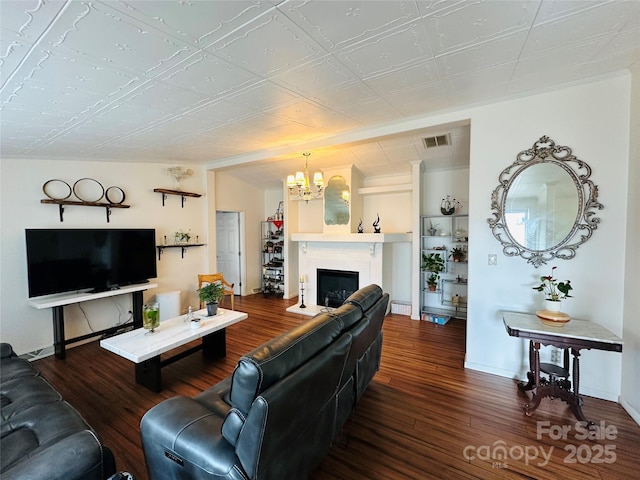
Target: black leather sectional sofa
277, 415
42, 436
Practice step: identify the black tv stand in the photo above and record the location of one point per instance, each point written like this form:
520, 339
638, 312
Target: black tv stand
58, 301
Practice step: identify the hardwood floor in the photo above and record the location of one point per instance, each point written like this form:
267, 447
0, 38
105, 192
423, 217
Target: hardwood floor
423, 417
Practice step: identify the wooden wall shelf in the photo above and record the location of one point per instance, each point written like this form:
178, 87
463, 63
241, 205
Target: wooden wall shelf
62, 203
165, 192
183, 247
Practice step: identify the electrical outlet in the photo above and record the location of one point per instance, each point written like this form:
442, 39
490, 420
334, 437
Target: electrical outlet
493, 259
555, 355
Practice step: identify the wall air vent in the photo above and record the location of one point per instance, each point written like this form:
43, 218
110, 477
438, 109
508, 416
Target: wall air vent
437, 141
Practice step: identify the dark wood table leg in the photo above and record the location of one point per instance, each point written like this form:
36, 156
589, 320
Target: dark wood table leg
58, 332
136, 301
525, 387
529, 408
555, 388
214, 345
568, 392
148, 374
575, 401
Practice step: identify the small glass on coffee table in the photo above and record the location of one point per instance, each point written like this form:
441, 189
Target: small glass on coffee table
144, 348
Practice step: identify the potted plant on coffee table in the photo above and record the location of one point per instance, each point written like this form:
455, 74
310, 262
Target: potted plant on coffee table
433, 263
211, 295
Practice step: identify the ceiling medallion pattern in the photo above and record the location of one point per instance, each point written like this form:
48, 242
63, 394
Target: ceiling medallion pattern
218, 82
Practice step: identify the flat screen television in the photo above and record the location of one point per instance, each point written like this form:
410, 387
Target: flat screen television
66, 260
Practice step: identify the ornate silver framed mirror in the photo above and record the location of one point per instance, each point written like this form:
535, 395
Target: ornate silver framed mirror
544, 206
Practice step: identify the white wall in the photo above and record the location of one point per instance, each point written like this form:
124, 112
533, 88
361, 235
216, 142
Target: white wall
593, 120
395, 217
440, 183
234, 195
631, 331
398, 257
29, 329
272, 197
309, 216
394, 210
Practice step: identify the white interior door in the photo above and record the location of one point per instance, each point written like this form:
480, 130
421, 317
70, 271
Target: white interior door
228, 247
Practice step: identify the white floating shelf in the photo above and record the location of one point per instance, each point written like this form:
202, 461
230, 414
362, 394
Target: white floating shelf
404, 187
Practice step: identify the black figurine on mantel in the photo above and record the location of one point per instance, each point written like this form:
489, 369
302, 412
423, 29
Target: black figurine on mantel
360, 229
376, 228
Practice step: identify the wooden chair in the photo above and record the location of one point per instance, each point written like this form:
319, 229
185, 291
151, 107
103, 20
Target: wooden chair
217, 277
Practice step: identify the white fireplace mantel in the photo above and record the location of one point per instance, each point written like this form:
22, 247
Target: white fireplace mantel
351, 237
369, 254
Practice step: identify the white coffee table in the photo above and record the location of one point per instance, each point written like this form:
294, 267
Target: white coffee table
144, 348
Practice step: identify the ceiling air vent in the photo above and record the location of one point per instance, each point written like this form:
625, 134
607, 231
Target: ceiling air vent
437, 141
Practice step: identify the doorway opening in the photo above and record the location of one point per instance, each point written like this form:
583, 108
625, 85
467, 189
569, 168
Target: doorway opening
229, 247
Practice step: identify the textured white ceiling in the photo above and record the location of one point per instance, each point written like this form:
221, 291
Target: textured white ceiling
256, 83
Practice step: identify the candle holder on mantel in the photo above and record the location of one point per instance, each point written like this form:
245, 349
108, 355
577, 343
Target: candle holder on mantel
302, 305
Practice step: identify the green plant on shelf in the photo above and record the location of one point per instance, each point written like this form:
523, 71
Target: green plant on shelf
433, 263
182, 237
457, 253
432, 282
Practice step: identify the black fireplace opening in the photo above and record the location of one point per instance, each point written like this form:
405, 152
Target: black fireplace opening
335, 286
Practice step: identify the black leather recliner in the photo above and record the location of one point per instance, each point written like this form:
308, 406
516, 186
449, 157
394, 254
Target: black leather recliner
41, 435
278, 414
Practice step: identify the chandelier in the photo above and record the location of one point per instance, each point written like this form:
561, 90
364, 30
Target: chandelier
299, 186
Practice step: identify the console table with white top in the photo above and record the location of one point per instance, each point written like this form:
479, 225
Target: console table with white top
144, 348
573, 336
57, 302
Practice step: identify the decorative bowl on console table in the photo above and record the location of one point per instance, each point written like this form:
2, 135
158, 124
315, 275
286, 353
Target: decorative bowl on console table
553, 319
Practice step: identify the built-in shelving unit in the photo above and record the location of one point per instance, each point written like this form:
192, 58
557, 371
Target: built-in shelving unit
441, 234
183, 195
272, 258
62, 203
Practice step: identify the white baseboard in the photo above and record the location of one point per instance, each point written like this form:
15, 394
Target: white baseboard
630, 410
589, 392
38, 354
494, 371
